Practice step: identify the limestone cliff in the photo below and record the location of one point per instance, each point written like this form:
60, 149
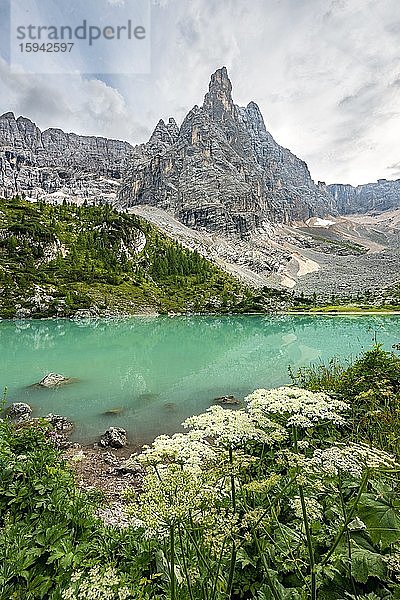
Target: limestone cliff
55, 165
222, 170
379, 196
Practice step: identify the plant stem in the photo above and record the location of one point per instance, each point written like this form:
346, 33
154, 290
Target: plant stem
172, 550
344, 511
185, 563
275, 593
265, 512
231, 570
349, 517
306, 528
309, 544
233, 490
214, 590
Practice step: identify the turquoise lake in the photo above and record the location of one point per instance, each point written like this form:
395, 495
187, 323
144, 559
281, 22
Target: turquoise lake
159, 370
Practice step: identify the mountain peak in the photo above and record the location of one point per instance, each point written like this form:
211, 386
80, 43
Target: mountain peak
8, 115
165, 134
218, 100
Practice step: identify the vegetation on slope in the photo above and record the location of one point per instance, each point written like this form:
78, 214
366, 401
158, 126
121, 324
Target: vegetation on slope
286, 499
56, 260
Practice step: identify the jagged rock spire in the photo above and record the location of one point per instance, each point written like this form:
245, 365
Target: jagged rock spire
218, 101
165, 134
8, 115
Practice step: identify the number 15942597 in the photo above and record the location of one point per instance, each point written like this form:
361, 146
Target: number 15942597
46, 47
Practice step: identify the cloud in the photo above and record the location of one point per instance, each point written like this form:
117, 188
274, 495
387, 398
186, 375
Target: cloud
72, 102
395, 170
325, 74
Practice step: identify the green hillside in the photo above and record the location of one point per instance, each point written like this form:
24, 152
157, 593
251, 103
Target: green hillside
56, 260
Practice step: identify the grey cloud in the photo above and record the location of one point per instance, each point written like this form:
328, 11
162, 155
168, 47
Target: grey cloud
324, 73
394, 169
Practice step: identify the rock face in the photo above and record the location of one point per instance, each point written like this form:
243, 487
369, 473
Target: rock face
222, 171
227, 401
19, 411
379, 196
60, 423
114, 437
54, 380
54, 165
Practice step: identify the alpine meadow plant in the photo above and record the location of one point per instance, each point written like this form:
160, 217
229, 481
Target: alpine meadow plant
267, 509
370, 384
284, 499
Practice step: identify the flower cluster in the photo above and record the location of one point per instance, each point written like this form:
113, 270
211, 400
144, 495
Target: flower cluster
232, 428
98, 584
351, 459
190, 450
313, 508
295, 406
262, 486
170, 496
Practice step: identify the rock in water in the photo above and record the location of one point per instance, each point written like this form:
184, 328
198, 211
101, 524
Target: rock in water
113, 437
60, 423
222, 171
227, 401
19, 411
54, 380
113, 411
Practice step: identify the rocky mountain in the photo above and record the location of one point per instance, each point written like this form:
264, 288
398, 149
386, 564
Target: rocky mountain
54, 165
221, 185
222, 171
379, 196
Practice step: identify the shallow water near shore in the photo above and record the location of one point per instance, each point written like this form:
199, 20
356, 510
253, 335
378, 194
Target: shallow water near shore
150, 373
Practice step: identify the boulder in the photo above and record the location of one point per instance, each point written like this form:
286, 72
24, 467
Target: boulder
19, 411
227, 401
113, 437
113, 411
130, 467
59, 423
53, 380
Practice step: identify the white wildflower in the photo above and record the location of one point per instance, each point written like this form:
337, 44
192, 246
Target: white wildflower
296, 406
172, 495
262, 486
232, 428
186, 449
303, 445
352, 459
314, 509
97, 583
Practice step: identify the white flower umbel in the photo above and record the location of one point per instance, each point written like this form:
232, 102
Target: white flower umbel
97, 584
174, 496
296, 407
190, 450
232, 428
351, 459
313, 507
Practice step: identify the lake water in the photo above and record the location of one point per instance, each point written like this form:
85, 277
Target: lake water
159, 370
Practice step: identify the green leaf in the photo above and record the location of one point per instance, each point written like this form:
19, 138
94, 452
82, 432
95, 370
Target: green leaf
382, 520
365, 564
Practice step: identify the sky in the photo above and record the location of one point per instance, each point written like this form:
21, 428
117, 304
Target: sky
325, 74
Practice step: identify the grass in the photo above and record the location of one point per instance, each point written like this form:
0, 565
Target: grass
347, 308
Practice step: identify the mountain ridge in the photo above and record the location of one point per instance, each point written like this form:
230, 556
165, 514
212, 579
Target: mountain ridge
381, 195
53, 165
222, 171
